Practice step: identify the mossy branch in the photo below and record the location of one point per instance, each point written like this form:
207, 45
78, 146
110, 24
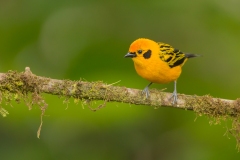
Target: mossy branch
28, 87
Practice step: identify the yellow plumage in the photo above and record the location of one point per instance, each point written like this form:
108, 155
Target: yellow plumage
157, 62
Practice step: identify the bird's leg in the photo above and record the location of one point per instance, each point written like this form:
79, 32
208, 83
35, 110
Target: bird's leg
146, 90
174, 94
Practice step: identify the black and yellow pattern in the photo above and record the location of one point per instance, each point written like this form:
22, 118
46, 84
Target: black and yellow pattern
172, 56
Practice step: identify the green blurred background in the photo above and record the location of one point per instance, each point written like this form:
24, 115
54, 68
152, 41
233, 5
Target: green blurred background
87, 39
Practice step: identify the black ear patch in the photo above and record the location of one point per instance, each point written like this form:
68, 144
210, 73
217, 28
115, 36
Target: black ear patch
147, 54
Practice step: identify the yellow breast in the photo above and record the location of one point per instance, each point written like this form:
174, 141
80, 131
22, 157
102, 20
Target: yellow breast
155, 70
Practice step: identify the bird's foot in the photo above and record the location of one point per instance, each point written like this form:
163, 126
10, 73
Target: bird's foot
146, 91
174, 97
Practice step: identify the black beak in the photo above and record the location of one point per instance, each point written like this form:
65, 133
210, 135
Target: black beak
130, 54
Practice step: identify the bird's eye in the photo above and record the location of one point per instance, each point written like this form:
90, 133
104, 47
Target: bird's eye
139, 51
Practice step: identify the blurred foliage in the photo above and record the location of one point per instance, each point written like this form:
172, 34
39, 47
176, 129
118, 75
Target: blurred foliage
88, 39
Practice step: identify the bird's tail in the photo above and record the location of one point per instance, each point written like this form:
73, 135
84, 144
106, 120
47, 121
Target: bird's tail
190, 55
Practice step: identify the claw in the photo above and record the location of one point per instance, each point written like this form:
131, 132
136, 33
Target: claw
174, 97
174, 94
146, 90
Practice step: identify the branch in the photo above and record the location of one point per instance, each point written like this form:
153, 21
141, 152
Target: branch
27, 86
27, 82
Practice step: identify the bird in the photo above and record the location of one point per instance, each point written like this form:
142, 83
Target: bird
157, 62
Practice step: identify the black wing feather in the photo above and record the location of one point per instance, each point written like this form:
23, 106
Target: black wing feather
173, 57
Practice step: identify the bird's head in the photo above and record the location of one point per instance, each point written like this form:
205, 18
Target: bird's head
142, 50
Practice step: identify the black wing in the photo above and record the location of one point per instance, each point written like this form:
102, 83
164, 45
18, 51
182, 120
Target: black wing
173, 57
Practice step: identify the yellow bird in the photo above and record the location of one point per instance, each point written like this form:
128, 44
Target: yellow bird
157, 62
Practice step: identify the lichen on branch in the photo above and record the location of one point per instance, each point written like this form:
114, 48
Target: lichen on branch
28, 88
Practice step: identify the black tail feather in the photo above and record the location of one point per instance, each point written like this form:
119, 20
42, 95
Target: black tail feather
190, 55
